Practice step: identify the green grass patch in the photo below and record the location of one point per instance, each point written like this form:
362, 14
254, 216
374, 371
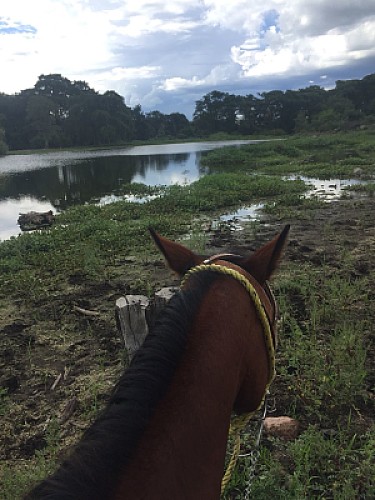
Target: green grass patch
322, 156
15, 481
88, 240
322, 377
367, 189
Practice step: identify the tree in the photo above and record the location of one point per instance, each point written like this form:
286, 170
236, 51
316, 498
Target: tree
338, 114
40, 113
142, 130
216, 112
3, 145
120, 116
177, 125
247, 109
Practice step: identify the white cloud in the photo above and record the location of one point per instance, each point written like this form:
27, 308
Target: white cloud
154, 51
218, 75
283, 54
68, 39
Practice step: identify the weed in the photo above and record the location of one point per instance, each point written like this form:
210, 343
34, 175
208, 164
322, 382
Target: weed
3, 401
16, 480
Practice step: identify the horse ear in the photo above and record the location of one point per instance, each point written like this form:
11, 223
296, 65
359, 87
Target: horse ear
262, 263
180, 259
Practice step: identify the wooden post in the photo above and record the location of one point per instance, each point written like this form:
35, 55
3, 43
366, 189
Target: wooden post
160, 300
131, 318
135, 314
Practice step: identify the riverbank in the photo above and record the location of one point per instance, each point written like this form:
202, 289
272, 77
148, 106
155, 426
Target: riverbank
210, 138
58, 365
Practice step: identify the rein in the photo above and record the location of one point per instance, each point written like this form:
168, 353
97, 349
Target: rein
238, 423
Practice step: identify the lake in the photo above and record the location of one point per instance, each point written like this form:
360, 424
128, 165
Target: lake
55, 181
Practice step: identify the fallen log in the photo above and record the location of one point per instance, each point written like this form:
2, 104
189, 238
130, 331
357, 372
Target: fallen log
35, 220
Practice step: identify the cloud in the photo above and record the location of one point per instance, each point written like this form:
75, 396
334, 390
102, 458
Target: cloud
218, 75
7, 27
281, 54
170, 52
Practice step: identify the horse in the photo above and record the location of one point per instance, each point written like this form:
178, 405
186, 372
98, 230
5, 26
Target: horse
164, 431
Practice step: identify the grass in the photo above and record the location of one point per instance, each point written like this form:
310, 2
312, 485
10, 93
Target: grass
87, 240
324, 348
322, 156
367, 189
16, 481
322, 368
322, 372
324, 364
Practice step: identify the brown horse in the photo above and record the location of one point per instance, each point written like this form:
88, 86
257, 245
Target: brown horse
164, 433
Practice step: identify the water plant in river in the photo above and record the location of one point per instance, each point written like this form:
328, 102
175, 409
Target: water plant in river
86, 239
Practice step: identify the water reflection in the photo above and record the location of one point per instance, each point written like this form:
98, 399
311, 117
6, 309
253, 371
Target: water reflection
57, 180
65, 185
10, 209
325, 189
41, 182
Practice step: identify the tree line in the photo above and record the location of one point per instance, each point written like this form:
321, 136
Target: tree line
57, 113
350, 104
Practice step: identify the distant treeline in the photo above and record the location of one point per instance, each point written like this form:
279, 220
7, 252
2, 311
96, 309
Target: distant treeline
59, 113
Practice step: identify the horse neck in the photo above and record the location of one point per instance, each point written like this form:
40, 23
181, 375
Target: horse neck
182, 452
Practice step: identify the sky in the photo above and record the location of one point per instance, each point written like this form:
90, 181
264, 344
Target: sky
167, 54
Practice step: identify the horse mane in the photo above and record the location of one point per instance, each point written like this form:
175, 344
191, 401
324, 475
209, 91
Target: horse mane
107, 446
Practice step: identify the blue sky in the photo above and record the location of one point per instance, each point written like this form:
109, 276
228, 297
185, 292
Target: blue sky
166, 54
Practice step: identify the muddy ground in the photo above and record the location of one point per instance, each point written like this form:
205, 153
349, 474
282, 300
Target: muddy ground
58, 364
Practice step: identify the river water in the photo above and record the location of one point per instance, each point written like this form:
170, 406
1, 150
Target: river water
55, 181
58, 180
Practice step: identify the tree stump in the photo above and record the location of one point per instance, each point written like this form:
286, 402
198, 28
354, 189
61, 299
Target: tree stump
160, 300
136, 314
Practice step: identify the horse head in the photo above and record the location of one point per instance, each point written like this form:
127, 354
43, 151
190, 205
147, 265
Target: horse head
256, 269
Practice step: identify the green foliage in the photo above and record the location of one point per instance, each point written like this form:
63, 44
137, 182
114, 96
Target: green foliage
368, 188
277, 112
59, 113
87, 238
326, 156
16, 481
326, 348
322, 365
139, 189
320, 466
3, 145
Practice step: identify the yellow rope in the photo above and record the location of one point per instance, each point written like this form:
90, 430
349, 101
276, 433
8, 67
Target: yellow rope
232, 462
238, 423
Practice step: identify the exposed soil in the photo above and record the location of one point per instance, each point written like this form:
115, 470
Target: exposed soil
58, 364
